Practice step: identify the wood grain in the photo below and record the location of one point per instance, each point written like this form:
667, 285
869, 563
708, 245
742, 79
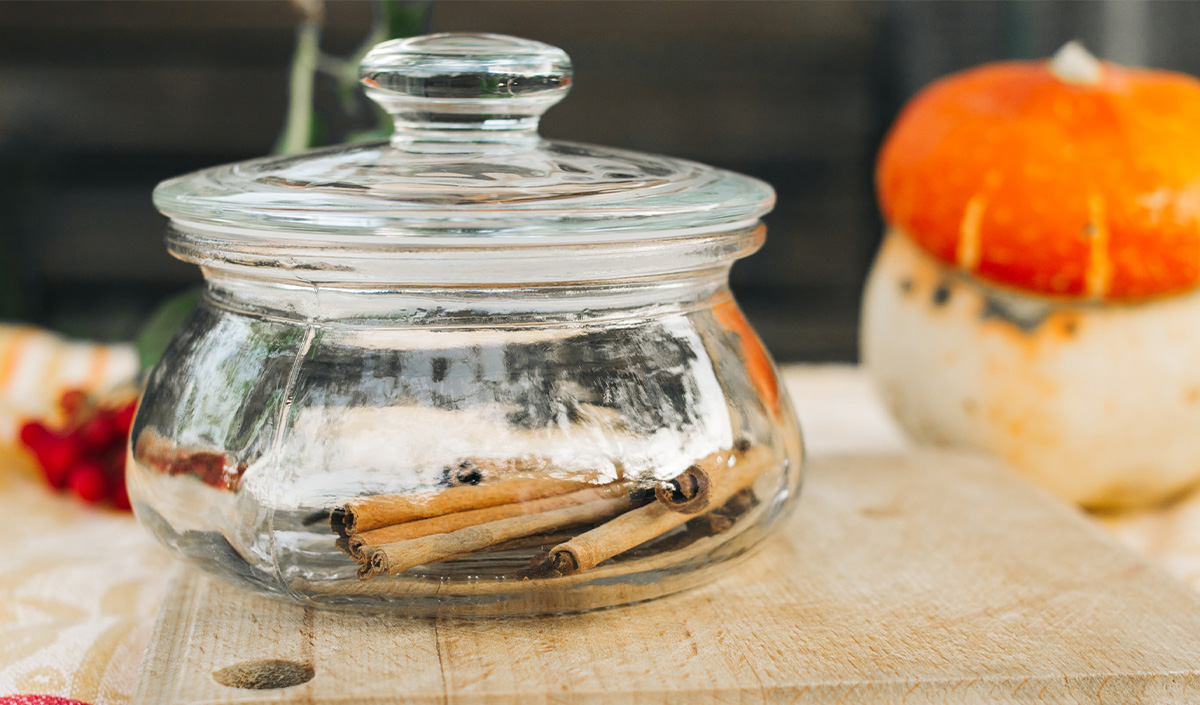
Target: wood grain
928, 577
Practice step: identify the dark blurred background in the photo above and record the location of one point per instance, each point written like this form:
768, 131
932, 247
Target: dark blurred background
101, 100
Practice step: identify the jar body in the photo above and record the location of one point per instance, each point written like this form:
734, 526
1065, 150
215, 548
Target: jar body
278, 405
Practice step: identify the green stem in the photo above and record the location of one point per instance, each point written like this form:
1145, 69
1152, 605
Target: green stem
297, 131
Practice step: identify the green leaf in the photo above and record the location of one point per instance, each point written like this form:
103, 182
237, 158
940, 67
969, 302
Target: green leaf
405, 19
157, 333
489, 85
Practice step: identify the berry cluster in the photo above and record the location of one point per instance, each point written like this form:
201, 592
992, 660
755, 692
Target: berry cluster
38, 700
87, 455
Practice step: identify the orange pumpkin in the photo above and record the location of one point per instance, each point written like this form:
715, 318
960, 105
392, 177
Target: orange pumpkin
758, 362
1037, 293
1066, 178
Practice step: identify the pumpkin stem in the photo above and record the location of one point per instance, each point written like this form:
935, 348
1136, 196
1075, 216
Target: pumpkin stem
1074, 64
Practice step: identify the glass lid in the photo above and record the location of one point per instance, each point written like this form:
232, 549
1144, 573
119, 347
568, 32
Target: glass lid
465, 166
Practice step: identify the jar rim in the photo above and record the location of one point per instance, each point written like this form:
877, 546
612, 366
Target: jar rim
294, 198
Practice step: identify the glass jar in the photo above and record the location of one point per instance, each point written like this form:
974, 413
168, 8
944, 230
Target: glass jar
470, 370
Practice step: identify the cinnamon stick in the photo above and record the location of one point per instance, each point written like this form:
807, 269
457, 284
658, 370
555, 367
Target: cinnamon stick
718, 521
648, 522
397, 557
532, 541
688, 492
461, 520
474, 471
377, 511
722, 518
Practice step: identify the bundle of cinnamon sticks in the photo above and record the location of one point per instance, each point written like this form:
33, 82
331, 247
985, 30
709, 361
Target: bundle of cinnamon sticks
490, 505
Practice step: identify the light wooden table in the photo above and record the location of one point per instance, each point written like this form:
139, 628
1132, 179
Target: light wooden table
927, 577
79, 590
915, 576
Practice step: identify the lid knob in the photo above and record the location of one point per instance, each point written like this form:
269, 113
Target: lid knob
455, 88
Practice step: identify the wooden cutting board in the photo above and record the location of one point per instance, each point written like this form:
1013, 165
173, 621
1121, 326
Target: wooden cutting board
928, 577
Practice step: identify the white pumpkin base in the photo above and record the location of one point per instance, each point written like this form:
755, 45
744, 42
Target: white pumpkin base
1100, 403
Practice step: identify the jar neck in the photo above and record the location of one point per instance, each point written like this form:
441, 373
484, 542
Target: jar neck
392, 261
456, 306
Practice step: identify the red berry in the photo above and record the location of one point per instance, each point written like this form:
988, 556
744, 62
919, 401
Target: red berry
57, 478
100, 431
33, 434
114, 461
124, 416
56, 454
206, 465
88, 481
120, 496
72, 401
34, 699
